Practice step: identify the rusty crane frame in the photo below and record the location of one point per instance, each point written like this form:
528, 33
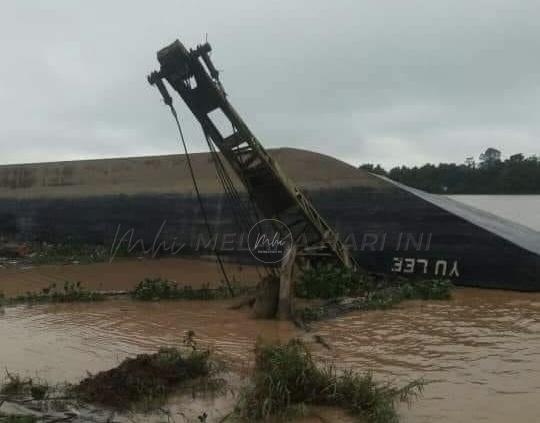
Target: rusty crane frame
194, 77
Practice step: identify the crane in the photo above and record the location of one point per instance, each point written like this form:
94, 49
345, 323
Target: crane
194, 77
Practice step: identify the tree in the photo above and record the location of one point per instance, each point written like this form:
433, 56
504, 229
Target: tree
517, 157
378, 169
490, 157
516, 175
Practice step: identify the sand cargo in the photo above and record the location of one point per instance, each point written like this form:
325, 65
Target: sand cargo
387, 226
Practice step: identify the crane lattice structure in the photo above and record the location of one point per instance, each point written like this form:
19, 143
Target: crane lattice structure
192, 74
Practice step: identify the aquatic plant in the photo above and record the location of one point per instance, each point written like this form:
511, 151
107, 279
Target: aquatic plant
68, 252
287, 377
16, 385
330, 281
68, 292
163, 289
431, 289
384, 295
327, 281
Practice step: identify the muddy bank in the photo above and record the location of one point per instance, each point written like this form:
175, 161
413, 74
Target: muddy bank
121, 275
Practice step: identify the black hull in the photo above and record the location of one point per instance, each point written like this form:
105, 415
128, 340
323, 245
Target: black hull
390, 228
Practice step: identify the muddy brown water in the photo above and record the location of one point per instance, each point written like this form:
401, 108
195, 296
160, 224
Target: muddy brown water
480, 351
121, 274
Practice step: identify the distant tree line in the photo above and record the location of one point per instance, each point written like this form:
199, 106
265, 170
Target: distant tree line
490, 175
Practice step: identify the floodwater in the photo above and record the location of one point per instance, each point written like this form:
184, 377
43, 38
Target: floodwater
122, 274
523, 209
480, 351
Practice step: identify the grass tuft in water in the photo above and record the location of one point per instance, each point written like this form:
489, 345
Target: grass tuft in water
163, 289
70, 252
286, 378
66, 293
18, 386
147, 379
346, 291
328, 281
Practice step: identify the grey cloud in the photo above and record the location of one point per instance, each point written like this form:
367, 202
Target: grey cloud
382, 81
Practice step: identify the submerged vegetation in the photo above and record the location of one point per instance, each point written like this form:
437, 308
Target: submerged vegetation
19, 386
286, 377
347, 291
328, 281
67, 293
379, 299
146, 290
68, 252
163, 289
341, 289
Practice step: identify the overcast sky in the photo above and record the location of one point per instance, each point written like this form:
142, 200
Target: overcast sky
380, 81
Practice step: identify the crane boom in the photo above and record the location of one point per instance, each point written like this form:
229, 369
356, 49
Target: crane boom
192, 74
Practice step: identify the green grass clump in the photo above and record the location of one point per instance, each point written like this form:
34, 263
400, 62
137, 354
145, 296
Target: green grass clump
287, 377
365, 291
163, 289
329, 281
17, 386
69, 292
431, 289
69, 252
383, 296
392, 294
147, 379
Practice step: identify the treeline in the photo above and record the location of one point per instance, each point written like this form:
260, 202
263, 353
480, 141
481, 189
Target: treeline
490, 175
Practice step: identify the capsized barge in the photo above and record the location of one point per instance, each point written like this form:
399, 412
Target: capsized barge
387, 226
